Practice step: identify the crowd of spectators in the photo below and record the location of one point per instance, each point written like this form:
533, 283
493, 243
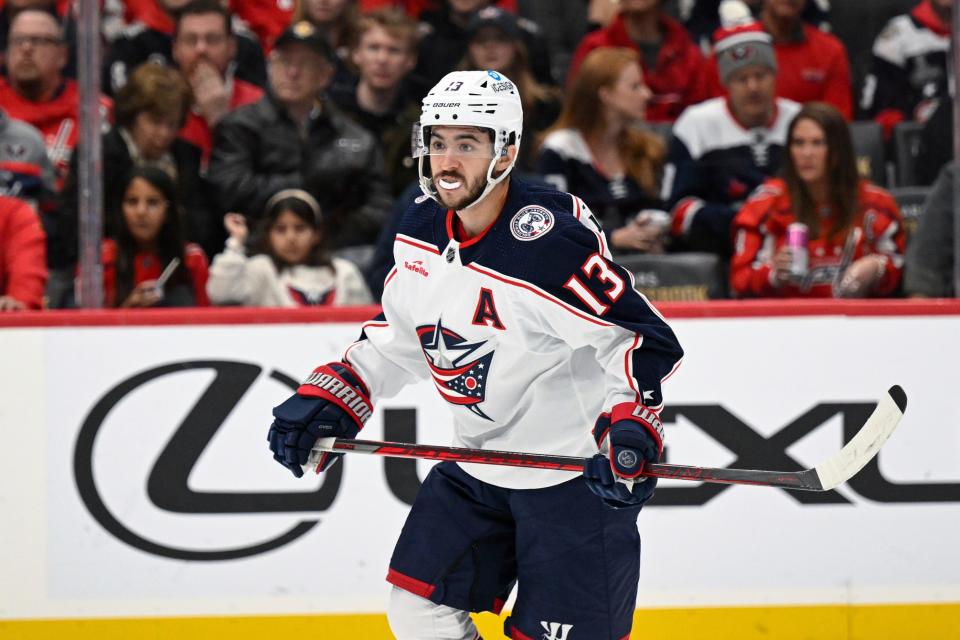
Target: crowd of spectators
271, 140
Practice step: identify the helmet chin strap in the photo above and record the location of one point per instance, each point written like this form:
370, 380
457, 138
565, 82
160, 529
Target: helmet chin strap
430, 189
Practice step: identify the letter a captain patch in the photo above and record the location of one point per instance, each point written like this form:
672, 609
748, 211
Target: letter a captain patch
486, 313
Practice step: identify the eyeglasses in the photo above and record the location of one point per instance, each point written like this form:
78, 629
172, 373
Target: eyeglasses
15, 42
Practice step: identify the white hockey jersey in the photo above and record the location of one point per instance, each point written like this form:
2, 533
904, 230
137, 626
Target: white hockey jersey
529, 331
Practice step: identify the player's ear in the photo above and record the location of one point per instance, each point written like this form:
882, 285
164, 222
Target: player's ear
509, 153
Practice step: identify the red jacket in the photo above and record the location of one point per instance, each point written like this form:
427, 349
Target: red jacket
23, 253
149, 13
813, 68
57, 120
679, 78
760, 229
147, 266
266, 18
196, 130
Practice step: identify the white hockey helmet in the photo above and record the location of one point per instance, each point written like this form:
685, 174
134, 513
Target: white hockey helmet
486, 99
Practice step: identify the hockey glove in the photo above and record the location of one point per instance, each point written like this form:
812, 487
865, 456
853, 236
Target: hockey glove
332, 402
631, 435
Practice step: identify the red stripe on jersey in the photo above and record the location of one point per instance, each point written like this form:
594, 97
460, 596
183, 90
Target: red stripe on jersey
390, 275
419, 245
516, 634
414, 586
576, 204
545, 296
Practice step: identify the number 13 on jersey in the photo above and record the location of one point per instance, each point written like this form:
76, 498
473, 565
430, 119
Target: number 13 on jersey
596, 267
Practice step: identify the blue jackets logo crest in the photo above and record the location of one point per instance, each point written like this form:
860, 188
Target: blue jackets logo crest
531, 222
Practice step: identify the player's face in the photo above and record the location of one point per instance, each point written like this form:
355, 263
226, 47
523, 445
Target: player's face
459, 159
35, 50
144, 211
809, 151
627, 98
382, 59
292, 239
204, 37
324, 11
153, 134
751, 91
298, 74
491, 48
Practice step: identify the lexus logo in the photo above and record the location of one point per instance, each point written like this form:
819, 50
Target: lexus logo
167, 481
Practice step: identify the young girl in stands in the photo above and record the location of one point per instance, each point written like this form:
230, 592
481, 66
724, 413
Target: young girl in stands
150, 243
292, 267
855, 231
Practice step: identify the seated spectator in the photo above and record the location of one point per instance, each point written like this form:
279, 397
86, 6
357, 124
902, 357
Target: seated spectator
23, 256
265, 19
295, 138
935, 147
909, 71
149, 111
596, 151
673, 66
726, 147
444, 42
204, 48
149, 38
337, 20
35, 90
930, 253
292, 267
704, 18
495, 42
25, 169
855, 241
385, 53
812, 65
148, 242
63, 11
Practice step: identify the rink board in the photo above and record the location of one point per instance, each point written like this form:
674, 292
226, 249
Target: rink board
144, 499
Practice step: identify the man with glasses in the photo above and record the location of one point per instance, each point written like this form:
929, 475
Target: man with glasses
295, 138
204, 48
35, 89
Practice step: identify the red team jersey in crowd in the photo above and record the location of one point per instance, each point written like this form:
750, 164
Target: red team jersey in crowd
266, 18
679, 78
760, 229
57, 120
23, 263
813, 68
197, 131
147, 266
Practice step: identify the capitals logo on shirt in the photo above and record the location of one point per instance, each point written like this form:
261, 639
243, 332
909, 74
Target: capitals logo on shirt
460, 368
315, 299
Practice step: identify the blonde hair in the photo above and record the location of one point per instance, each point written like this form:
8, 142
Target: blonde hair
642, 152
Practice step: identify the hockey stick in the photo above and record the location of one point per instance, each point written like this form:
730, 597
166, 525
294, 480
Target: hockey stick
825, 476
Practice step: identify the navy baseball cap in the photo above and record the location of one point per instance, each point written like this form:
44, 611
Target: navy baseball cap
306, 33
496, 17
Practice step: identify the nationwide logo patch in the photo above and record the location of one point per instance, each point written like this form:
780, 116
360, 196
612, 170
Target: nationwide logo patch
531, 222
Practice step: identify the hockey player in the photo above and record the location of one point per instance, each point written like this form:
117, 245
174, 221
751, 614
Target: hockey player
505, 297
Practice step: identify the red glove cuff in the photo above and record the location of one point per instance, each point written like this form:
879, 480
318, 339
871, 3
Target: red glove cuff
332, 384
636, 412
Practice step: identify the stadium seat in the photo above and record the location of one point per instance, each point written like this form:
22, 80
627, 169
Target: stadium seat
906, 144
677, 276
911, 201
868, 146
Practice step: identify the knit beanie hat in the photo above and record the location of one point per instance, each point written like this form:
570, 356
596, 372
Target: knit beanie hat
741, 41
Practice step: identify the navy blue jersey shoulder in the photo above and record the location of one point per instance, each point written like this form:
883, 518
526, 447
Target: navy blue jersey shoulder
425, 220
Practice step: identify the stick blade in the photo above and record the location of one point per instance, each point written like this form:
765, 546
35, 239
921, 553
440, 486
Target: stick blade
864, 446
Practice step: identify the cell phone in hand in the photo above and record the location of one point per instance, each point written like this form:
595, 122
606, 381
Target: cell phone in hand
162, 280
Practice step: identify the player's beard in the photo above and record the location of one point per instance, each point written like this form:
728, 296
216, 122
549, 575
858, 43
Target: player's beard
474, 190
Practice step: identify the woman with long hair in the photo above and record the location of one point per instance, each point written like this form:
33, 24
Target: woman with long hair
597, 151
496, 42
291, 265
851, 239
149, 264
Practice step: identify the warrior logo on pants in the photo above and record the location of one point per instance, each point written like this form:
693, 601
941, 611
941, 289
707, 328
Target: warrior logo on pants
459, 373
556, 630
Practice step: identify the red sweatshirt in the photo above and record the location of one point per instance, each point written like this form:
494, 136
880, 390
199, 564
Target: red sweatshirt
147, 266
23, 253
677, 81
197, 131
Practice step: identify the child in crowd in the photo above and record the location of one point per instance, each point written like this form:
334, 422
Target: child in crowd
149, 264
292, 267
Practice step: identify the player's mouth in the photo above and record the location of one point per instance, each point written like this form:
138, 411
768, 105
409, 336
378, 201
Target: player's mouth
449, 183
